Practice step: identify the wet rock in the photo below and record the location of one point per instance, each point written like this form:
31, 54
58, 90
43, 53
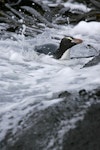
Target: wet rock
50, 128
92, 15
35, 12
94, 61
39, 17
86, 136
46, 48
95, 3
64, 94
97, 92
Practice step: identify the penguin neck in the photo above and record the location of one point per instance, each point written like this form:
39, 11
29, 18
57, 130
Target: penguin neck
66, 55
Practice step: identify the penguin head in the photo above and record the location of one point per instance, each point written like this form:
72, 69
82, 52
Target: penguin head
65, 44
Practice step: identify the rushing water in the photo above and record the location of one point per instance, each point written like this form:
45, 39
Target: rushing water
27, 78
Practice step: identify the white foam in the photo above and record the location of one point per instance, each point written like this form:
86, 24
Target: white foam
87, 28
77, 6
28, 82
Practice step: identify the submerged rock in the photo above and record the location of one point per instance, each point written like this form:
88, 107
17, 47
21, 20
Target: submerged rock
94, 61
49, 48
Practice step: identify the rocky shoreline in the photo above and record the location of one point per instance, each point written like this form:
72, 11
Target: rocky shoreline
73, 123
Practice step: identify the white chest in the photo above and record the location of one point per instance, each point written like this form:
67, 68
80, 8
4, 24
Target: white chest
66, 55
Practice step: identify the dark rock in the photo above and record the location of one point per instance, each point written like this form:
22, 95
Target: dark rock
97, 92
95, 3
86, 136
92, 15
64, 94
94, 61
82, 92
38, 16
41, 129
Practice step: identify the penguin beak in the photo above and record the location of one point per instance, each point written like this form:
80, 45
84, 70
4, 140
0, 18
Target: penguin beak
77, 41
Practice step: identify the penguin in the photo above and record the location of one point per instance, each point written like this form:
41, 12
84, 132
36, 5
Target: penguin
59, 52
